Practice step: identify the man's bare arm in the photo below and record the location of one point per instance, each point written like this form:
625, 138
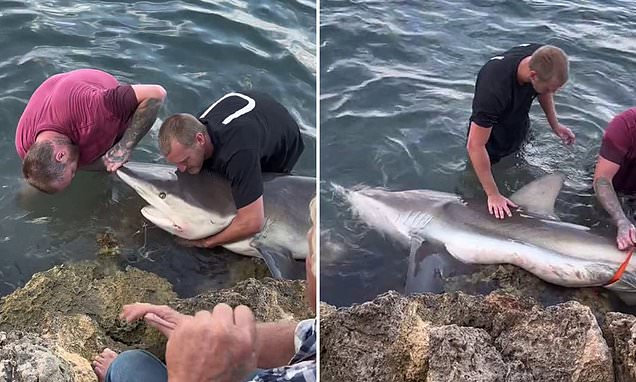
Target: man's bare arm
275, 343
605, 193
249, 221
546, 101
150, 98
476, 146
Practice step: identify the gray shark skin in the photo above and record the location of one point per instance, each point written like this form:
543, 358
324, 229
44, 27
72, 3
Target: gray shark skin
197, 206
533, 239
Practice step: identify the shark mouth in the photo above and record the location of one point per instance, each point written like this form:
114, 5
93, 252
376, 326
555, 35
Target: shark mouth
162, 221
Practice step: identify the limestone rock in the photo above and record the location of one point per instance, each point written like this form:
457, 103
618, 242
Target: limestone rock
512, 280
269, 299
457, 337
74, 310
620, 331
78, 305
26, 358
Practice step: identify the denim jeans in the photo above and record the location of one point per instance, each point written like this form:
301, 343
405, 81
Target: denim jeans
136, 366
140, 366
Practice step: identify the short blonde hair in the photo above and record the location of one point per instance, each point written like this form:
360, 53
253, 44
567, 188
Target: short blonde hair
551, 64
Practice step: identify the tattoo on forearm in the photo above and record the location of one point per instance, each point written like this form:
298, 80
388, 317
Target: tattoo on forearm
142, 121
607, 196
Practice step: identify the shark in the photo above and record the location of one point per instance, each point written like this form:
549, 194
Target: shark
201, 205
533, 238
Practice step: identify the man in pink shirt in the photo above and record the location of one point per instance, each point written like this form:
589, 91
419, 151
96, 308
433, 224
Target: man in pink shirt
616, 172
82, 119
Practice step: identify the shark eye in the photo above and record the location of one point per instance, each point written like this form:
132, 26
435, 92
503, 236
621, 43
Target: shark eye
162, 195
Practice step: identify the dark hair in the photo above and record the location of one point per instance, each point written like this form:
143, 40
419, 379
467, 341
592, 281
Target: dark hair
40, 168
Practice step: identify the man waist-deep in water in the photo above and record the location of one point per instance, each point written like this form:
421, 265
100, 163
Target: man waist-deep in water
505, 88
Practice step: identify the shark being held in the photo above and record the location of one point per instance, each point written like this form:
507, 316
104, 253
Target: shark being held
197, 206
533, 239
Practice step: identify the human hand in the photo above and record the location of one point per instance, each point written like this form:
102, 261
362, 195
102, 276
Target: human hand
566, 135
160, 317
217, 346
201, 243
115, 157
626, 235
498, 205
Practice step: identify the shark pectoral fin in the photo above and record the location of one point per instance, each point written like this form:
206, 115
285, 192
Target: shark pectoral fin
416, 243
281, 264
538, 197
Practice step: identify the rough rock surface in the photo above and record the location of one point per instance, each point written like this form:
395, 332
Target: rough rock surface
74, 309
27, 358
508, 279
78, 306
620, 331
458, 337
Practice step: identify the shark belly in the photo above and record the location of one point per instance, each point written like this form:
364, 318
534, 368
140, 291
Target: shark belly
471, 246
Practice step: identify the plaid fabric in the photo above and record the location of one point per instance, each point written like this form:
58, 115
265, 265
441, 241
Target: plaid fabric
302, 367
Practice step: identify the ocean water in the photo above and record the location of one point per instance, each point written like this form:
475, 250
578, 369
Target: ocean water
396, 84
197, 50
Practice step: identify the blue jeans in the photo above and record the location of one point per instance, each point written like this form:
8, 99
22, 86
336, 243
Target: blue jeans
136, 366
140, 366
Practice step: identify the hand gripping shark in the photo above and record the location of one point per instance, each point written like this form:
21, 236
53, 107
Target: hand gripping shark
534, 239
197, 206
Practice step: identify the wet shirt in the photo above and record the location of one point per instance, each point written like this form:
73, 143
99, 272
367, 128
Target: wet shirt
502, 104
619, 146
302, 367
88, 106
251, 133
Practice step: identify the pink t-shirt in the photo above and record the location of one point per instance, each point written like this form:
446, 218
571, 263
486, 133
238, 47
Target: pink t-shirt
88, 106
619, 146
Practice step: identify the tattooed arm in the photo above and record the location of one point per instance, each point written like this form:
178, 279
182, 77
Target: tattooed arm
150, 98
603, 175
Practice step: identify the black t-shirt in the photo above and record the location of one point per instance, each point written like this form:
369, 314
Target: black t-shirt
251, 133
502, 104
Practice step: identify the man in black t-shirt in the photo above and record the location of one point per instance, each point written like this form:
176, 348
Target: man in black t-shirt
499, 124
239, 136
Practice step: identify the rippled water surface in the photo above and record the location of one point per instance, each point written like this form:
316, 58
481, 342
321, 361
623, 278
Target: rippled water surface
198, 50
397, 81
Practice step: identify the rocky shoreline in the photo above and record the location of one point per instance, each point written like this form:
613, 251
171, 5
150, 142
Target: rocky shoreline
506, 335
52, 327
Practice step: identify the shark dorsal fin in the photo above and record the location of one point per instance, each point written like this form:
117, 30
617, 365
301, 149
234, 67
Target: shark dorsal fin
538, 196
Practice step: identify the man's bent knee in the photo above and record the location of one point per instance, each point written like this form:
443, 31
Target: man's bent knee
136, 365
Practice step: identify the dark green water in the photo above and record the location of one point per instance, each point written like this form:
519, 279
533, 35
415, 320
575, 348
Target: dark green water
396, 83
198, 50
